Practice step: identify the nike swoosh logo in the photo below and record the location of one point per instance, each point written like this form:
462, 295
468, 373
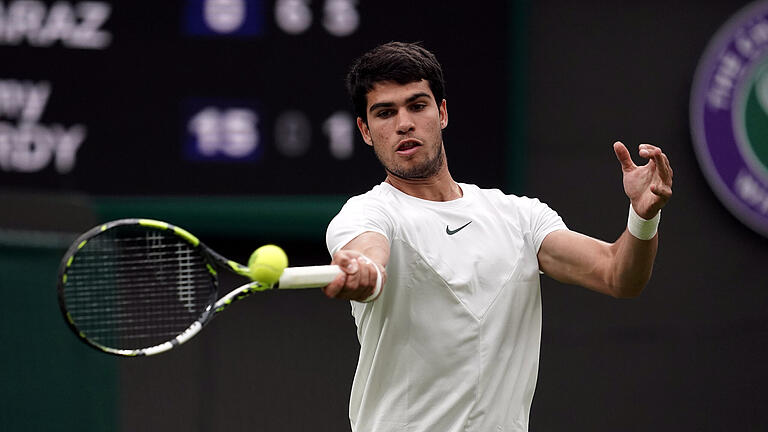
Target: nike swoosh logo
452, 232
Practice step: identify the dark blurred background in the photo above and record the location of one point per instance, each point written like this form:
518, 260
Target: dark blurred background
230, 118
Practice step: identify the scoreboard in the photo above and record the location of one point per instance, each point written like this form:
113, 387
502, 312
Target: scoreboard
230, 98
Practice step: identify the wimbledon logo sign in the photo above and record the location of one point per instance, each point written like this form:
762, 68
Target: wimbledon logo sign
729, 115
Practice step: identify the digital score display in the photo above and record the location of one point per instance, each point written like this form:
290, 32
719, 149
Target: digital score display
229, 97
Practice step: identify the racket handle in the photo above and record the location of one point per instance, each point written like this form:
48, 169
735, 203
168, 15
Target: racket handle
308, 277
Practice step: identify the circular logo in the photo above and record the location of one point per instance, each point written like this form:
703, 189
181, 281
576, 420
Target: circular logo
729, 115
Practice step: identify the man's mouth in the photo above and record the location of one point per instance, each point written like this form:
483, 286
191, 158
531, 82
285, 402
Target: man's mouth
407, 146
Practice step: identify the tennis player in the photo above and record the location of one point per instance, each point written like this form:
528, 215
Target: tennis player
451, 342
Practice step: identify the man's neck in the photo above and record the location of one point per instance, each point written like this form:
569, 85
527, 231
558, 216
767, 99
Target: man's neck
439, 187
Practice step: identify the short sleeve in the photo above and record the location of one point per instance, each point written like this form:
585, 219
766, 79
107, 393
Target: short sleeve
543, 221
360, 214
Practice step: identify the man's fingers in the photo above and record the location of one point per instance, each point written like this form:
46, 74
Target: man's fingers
370, 269
662, 162
374, 275
358, 285
349, 266
622, 154
648, 151
346, 261
662, 191
358, 278
333, 288
361, 277
665, 169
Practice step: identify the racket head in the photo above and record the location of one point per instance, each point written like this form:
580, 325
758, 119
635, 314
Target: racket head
135, 287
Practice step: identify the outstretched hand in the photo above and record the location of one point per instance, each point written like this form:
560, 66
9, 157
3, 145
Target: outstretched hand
649, 186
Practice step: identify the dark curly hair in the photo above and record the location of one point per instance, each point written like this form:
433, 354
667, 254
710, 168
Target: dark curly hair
400, 62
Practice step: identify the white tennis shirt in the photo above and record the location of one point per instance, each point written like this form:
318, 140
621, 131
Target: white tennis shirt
452, 343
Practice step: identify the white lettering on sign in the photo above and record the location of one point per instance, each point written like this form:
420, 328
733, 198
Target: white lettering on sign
224, 16
340, 129
719, 95
340, 17
32, 147
23, 100
76, 25
27, 145
751, 191
232, 132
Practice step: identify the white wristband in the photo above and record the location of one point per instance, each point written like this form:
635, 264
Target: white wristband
377, 288
644, 229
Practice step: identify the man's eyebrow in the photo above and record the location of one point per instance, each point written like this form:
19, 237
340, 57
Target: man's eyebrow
381, 105
416, 96
410, 99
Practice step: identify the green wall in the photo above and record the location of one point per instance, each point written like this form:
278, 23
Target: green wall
48, 379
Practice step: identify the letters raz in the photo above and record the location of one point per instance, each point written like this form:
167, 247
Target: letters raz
75, 25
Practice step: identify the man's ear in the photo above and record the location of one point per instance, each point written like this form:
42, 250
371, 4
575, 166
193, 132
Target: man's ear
443, 108
364, 131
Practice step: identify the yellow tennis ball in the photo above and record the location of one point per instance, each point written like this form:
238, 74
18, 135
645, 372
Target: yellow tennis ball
267, 263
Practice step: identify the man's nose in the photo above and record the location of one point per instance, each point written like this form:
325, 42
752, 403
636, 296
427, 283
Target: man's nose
405, 122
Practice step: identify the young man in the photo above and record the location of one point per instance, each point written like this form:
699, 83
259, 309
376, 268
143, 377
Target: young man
451, 342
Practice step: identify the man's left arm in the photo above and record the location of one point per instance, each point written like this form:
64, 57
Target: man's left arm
622, 268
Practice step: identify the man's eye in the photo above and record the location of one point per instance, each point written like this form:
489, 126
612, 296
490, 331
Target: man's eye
418, 107
384, 114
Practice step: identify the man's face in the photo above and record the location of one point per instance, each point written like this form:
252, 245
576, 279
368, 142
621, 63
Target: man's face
405, 128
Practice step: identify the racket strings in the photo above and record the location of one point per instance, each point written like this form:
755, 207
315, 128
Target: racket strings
143, 284
133, 287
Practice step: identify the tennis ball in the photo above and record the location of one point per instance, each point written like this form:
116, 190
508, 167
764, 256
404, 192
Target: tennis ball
267, 263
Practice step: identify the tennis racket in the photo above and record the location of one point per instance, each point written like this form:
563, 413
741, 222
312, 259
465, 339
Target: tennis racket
136, 287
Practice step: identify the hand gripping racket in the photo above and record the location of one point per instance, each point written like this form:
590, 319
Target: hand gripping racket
136, 287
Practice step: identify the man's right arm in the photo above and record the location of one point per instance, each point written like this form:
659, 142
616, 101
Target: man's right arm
359, 274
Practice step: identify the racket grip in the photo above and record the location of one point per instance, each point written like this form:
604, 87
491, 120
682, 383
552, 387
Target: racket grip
308, 277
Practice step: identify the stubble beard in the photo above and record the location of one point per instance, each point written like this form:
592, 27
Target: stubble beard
424, 170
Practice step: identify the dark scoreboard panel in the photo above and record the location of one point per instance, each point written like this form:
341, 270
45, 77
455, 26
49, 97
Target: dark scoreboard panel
229, 97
